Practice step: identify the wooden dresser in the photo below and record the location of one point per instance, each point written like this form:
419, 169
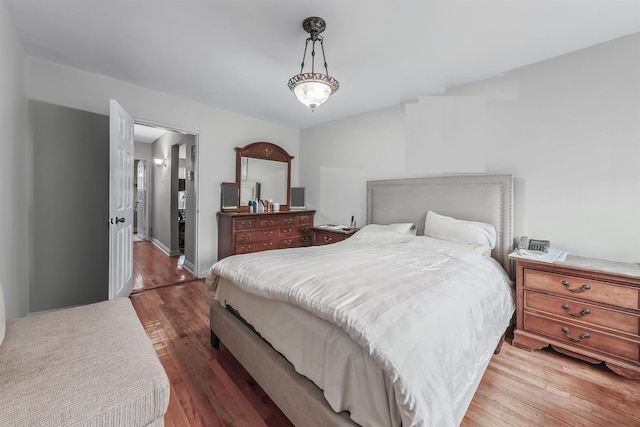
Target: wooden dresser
583, 307
241, 233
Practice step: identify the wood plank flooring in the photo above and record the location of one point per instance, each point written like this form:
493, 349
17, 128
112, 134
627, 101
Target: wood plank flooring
153, 268
210, 388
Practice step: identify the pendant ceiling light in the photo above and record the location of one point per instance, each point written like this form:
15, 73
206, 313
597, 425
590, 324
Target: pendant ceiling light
312, 89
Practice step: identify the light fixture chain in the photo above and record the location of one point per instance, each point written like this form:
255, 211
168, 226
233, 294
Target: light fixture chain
313, 56
304, 55
326, 68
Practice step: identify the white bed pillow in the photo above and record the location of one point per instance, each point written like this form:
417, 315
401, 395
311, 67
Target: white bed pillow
452, 245
2, 316
472, 232
399, 227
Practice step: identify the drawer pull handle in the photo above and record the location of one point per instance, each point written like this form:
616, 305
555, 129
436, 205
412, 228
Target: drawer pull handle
305, 229
583, 336
581, 313
246, 236
328, 239
289, 220
268, 234
287, 242
581, 289
247, 224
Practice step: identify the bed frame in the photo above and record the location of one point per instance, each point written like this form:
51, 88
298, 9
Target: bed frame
486, 198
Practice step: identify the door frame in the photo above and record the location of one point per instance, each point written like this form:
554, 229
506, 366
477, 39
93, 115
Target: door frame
196, 186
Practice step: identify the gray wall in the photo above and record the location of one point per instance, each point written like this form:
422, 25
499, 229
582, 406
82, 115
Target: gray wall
14, 171
70, 254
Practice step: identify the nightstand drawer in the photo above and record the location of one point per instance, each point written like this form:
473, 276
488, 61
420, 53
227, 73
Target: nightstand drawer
327, 238
580, 335
582, 288
583, 312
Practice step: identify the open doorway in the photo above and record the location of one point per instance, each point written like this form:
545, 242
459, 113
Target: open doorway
140, 200
166, 198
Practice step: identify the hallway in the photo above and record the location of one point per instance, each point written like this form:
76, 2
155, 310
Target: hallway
152, 268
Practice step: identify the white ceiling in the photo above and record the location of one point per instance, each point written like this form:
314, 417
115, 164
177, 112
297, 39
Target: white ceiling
147, 134
238, 55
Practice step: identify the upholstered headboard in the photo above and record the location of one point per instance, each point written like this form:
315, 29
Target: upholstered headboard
486, 198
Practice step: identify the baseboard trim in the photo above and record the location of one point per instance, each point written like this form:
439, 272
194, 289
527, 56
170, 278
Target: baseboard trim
161, 245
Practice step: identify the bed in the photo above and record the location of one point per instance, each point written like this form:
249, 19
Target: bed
383, 328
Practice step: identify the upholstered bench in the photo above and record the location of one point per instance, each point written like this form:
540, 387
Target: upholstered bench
84, 366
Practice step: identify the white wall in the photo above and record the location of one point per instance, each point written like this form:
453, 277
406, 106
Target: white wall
219, 131
567, 129
14, 171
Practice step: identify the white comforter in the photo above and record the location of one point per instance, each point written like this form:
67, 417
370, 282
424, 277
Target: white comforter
430, 316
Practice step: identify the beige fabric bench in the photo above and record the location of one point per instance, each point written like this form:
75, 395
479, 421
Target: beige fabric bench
85, 366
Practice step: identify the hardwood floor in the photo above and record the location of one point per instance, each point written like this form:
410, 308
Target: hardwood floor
210, 388
153, 268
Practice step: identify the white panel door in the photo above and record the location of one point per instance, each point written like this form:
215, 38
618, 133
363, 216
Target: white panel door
120, 201
141, 207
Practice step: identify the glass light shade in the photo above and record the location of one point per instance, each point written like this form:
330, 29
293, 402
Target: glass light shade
312, 89
159, 162
312, 93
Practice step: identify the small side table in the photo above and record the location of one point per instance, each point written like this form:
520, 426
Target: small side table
326, 236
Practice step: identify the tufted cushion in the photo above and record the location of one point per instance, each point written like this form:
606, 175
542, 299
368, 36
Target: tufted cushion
84, 366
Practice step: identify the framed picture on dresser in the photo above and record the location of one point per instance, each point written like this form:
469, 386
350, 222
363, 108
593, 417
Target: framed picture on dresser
229, 196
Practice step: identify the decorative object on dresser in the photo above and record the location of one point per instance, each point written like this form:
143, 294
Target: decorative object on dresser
241, 233
229, 196
297, 198
263, 171
583, 307
327, 234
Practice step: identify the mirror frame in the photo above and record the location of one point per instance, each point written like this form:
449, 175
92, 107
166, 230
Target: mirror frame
265, 151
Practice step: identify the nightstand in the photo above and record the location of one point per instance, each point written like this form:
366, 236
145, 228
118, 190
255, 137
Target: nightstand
326, 236
583, 307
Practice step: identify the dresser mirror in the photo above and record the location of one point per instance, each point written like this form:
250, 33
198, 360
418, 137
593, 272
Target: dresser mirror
263, 171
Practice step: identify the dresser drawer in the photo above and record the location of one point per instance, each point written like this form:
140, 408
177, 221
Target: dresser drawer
245, 223
583, 336
294, 242
582, 288
256, 235
305, 219
277, 221
246, 248
582, 311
